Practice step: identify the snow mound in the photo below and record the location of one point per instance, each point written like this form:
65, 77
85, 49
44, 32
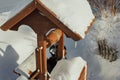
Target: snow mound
68, 69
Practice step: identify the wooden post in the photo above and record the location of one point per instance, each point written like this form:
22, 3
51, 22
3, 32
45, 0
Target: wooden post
60, 49
84, 73
44, 61
41, 59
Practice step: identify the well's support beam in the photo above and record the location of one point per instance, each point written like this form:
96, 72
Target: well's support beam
44, 61
41, 59
60, 49
84, 73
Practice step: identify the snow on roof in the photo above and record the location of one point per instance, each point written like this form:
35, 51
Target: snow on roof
75, 14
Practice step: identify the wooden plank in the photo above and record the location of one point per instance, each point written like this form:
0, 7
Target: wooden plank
50, 15
44, 62
34, 76
18, 17
60, 49
90, 25
84, 74
39, 23
41, 60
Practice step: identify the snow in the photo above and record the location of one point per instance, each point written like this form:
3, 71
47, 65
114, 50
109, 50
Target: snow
77, 15
18, 39
98, 68
73, 66
26, 66
15, 47
6, 5
21, 5
18, 7
104, 28
68, 69
4, 17
21, 78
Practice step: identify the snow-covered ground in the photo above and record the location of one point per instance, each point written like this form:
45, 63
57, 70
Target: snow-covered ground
99, 68
6, 5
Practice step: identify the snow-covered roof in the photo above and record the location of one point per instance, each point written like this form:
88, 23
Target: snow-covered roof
75, 14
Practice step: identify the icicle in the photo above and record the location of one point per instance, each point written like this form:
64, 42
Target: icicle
63, 54
75, 44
